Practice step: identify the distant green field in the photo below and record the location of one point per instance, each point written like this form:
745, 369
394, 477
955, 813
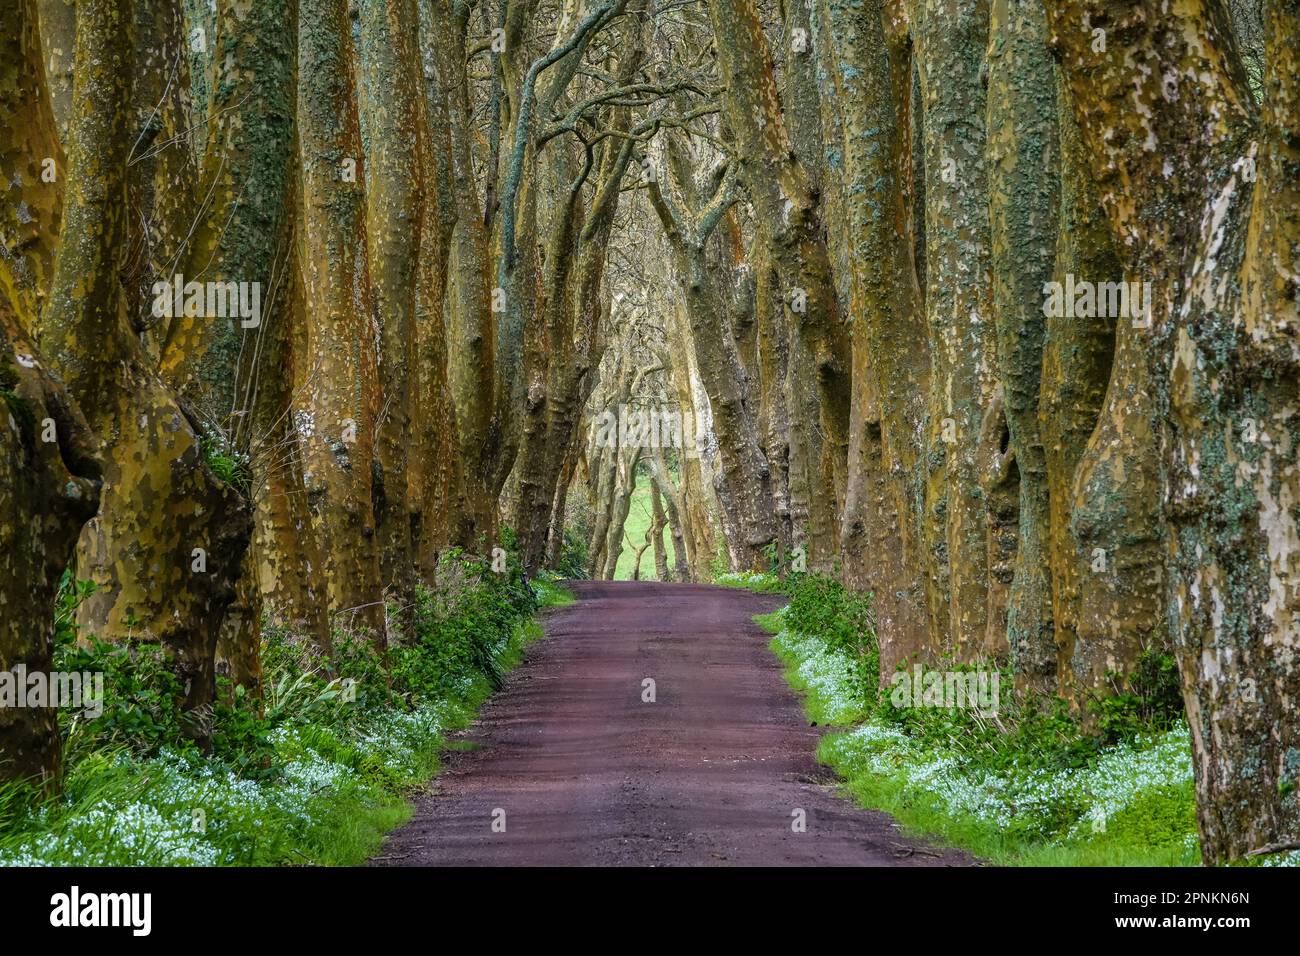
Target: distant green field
639, 518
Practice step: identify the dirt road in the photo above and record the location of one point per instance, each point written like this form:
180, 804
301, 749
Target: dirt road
571, 764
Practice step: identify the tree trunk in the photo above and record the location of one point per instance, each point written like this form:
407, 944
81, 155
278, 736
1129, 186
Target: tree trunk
746, 480
952, 37
786, 209
166, 548
773, 349
32, 165
471, 339
659, 521
244, 193
394, 213
161, 182
439, 477
339, 409
289, 567
675, 510
58, 41
49, 487
1202, 200
872, 80
1077, 354
1023, 202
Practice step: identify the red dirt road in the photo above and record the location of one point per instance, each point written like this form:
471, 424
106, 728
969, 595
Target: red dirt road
587, 773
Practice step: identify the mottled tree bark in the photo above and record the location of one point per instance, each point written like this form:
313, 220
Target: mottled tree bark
694, 511
471, 353
773, 348
162, 174
786, 210
658, 522
1023, 202
243, 192
395, 198
673, 510
165, 550
200, 35
872, 83
438, 475
541, 391
31, 165
560, 364
1201, 195
58, 41
1077, 354
1116, 510
289, 570
337, 421
604, 463
559, 502
952, 37
48, 490
813, 120
625, 467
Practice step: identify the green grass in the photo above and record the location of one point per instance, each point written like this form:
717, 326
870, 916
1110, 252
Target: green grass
1157, 828
640, 517
316, 777
1031, 789
756, 581
551, 593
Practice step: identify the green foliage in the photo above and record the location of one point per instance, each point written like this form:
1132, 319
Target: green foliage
720, 563
141, 710
759, 582
1153, 699
451, 647
573, 557
1157, 819
1027, 733
1020, 783
579, 519
229, 467
778, 562
142, 704
21, 411
550, 592
314, 772
16, 797
841, 619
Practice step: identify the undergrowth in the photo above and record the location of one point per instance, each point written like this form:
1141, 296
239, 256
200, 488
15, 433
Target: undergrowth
315, 773
1027, 782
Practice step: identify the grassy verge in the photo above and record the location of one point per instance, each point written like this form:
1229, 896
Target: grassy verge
551, 593
751, 581
315, 775
1023, 784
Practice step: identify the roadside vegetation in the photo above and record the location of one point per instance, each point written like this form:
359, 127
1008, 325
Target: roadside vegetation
313, 773
1025, 782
